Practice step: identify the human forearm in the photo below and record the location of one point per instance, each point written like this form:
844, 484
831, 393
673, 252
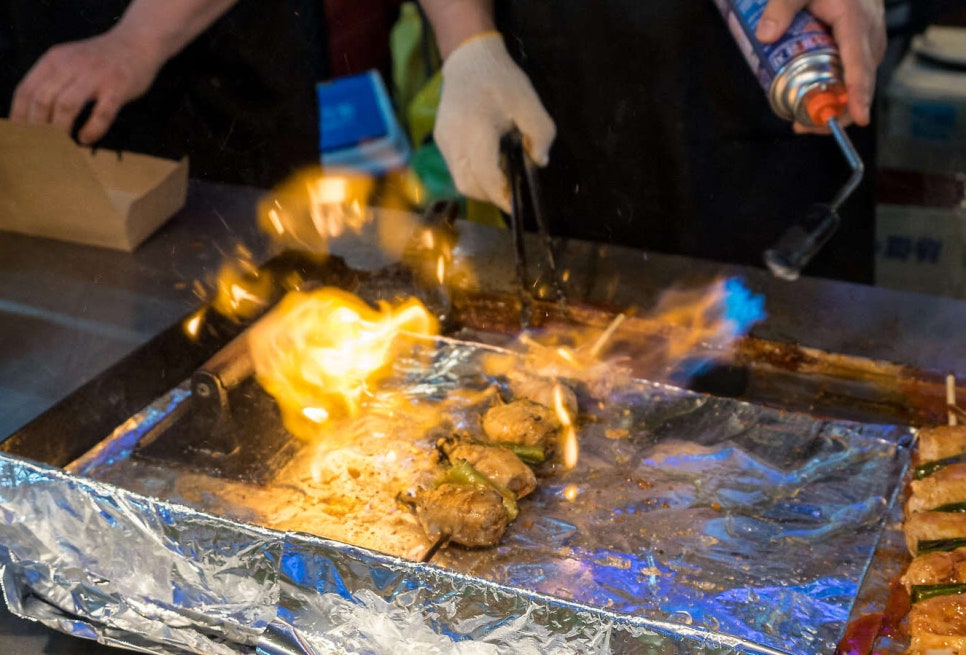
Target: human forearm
112, 68
455, 21
171, 25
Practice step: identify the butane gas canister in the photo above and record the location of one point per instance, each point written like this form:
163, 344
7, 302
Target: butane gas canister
801, 72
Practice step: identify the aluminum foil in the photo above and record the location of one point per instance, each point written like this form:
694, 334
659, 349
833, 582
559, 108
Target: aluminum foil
692, 524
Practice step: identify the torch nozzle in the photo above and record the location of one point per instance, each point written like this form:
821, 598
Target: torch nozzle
803, 240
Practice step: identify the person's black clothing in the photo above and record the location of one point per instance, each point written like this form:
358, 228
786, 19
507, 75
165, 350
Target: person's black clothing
665, 140
240, 101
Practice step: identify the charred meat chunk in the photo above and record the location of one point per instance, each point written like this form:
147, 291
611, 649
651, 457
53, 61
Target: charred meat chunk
466, 514
522, 423
940, 567
498, 464
543, 391
945, 486
935, 531
938, 625
941, 442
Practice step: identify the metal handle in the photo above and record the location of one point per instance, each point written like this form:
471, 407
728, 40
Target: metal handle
852, 157
802, 241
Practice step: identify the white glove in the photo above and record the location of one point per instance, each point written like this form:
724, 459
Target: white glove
485, 94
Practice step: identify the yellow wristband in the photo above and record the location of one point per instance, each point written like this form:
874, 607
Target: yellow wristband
481, 35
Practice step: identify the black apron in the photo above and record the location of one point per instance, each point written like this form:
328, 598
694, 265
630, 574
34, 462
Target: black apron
665, 141
239, 101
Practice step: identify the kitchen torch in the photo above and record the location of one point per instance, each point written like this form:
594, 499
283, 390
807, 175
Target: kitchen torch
801, 73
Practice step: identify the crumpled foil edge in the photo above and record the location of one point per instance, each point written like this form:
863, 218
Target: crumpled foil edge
183, 581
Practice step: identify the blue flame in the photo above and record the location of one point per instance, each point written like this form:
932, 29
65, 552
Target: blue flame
734, 314
742, 307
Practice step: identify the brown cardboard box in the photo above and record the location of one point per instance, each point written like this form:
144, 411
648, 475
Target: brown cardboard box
51, 187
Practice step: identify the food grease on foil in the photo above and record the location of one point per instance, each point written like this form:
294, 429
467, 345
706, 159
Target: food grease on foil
709, 526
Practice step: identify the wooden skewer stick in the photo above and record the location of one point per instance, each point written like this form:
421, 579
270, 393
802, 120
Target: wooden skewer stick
429, 554
958, 411
951, 397
606, 335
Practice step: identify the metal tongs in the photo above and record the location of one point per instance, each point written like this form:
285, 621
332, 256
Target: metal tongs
803, 240
521, 173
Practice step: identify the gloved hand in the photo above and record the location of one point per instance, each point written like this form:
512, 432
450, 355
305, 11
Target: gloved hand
485, 94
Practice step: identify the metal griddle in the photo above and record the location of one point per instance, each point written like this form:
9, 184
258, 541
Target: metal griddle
235, 435
784, 375
896, 346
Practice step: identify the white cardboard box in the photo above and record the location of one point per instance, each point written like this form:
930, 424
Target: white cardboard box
921, 209
921, 249
51, 187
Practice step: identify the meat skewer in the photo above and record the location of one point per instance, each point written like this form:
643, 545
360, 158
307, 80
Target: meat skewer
476, 498
465, 514
499, 464
935, 529
522, 423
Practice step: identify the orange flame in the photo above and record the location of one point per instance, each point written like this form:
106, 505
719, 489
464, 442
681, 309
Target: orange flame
688, 328
713, 317
571, 450
315, 206
318, 353
240, 290
318, 205
192, 325
441, 270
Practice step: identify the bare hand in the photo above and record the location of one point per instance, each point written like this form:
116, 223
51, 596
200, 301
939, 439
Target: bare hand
110, 69
858, 27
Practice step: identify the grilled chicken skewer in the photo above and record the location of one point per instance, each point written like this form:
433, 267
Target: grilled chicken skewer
499, 464
475, 500
466, 514
522, 423
935, 529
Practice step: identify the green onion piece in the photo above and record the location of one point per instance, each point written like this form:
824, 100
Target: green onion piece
927, 469
959, 508
529, 454
462, 472
927, 591
940, 545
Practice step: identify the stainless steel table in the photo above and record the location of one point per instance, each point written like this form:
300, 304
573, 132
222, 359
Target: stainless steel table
67, 312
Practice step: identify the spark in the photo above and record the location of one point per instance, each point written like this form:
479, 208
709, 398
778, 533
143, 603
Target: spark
193, 325
276, 221
441, 269
567, 355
